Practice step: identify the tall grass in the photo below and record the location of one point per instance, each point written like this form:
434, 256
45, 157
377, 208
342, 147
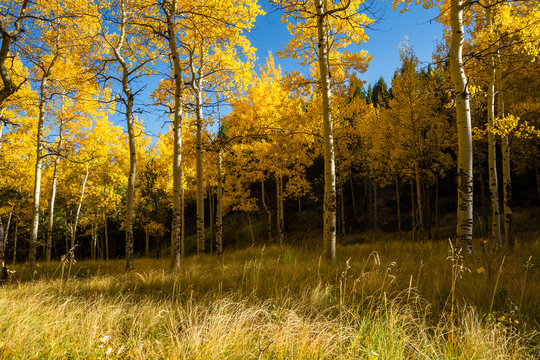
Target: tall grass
391, 300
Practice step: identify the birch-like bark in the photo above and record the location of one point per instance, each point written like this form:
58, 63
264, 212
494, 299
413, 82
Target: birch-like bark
419, 202
129, 100
93, 245
279, 209
50, 225
5, 237
492, 155
51, 211
106, 234
199, 153
176, 248
507, 195
464, 230
352, 196
37, 172
507, 177
15, 235
212, 215
329, 206
219, 209
268, 215
182, 220
77, 214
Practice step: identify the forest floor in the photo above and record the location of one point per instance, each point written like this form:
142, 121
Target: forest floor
381, 300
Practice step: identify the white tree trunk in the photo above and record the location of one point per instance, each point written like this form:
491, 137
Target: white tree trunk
51, 211
219, 210
268, 214
464, 230
15, 234
131, 180
77, 214
507, 194
329, 206
106, 234
176, 248
279, 209
419, 202
199, 160
492, 154
37, 174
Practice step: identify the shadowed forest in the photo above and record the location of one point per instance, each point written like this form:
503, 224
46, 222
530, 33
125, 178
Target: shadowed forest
165, 194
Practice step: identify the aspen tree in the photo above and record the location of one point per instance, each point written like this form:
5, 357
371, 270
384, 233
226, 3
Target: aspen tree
131, 51
464, 232
324, 27
10, 30
170, 11
492, 157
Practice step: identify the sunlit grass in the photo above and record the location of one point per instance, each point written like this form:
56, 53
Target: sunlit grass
386, 300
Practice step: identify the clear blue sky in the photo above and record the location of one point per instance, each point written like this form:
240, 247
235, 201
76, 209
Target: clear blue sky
270, 35
385, 37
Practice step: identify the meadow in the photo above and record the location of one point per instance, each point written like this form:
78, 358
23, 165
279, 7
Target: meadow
380, 300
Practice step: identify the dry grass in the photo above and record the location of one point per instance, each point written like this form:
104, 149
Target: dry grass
380, 301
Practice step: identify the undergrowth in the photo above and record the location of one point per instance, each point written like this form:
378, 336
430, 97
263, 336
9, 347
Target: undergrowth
390, 300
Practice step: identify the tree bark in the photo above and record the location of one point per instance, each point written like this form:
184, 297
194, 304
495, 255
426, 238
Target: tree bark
51, 211
50, 225
5, 237
93, 245
37, 173
492, 155
464, 230
212, 215
279, 209
176, 232
219, 210
419, 202
507, 194
77, 214
15, 234
268, 215
199, 159
329, 207
106, 235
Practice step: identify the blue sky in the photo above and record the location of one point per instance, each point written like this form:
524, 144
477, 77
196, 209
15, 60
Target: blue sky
270, 35
385, 37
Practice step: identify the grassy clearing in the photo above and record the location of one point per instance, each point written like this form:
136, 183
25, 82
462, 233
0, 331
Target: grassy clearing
390, 300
